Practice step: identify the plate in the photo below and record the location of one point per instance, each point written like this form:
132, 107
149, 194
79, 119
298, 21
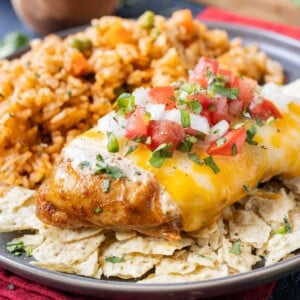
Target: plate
285, 50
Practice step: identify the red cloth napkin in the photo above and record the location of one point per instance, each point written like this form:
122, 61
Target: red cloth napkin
13, 287
216, 14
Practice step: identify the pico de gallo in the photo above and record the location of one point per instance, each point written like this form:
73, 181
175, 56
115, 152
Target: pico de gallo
201, 110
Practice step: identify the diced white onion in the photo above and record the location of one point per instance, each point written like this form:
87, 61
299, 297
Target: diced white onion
217, 131
172, 115
141, 96
156, 111
275, 94
199, 123
113, 122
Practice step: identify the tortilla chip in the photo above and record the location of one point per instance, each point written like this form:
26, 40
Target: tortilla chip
125, 235
281, 245
15, 198
23, 219
202, 256
272, 210
68, 235
146, 246
129, 265
56, 252
241, 262
249, 228
199, 274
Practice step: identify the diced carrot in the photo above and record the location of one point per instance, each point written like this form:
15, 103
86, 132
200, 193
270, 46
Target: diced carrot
184, 18
79, 64
117, 34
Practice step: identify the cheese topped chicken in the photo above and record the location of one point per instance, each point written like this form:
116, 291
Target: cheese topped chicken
173, 158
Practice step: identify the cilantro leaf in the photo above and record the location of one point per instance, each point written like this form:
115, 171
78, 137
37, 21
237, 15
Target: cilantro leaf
115, 259
208, 161
218, 88
160, 154
286, 228
195, 158
15, 248
236, 247
251, 132
84, 164
196, 106
97, 210
131, 149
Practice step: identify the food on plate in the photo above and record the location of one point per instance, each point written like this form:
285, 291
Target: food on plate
174, 157
61, 87
173, 185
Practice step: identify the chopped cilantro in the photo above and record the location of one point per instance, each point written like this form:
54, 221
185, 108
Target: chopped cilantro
190, 88
84, 164
195, 158
236, 247
69, 93
140, 139
286, 228
97, 210
105, 185
196, 106
208, 161
160, 154
15, 248
218, 88
104, 168
247, 188
251, 132
99, 158
260, 122
29, 251
211, 107
185, 118
187, 144
234, 149
115, 259
131, 149
112, 142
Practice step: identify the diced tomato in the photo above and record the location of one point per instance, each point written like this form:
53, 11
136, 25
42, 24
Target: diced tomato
227, 75
137, 124
184, 18
163, 95
207, 105
234, 141
246, 87
220, 110
199, 75
263, 109
165, 131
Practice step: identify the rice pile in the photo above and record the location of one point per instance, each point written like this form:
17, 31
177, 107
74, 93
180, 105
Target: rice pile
62, 86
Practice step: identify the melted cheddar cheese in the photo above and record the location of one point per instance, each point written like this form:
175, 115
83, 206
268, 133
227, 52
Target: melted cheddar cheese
202, 194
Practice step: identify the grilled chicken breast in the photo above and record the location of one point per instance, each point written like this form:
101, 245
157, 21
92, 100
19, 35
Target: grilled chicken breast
138, 169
